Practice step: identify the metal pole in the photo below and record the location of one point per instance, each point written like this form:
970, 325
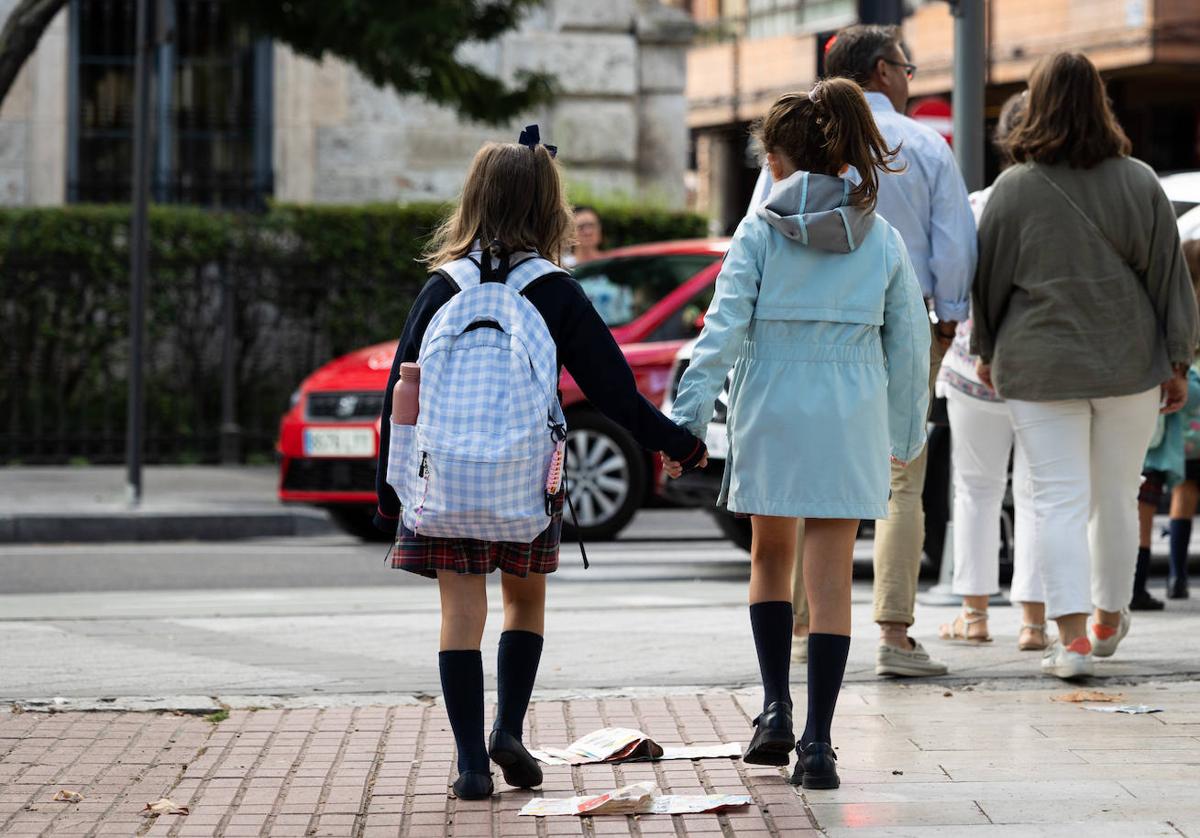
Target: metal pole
970, 80
138, 256
231, 431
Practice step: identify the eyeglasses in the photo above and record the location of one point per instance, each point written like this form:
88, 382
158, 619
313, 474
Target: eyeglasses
910, 70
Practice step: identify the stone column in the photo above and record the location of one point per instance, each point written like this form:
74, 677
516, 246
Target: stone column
664, 35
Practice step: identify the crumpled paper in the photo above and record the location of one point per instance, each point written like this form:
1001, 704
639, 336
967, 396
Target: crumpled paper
635, 799
164, 806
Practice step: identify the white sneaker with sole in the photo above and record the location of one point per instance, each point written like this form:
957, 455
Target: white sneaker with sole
1069, 662
1105, 648
911, 663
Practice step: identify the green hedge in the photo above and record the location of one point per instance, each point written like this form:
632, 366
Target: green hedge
307, 283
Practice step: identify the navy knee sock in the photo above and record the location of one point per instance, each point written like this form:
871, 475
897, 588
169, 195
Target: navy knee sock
1142, 571
516, 668
462, 692
827, 655
772, 626
1181, 539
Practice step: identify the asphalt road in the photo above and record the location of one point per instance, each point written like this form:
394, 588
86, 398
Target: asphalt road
664, 607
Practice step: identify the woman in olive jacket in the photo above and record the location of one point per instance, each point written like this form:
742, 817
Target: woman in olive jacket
1085, 321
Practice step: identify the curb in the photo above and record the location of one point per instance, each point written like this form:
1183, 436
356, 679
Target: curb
150, 526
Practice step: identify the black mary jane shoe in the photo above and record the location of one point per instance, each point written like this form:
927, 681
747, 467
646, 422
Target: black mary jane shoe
1177, 589
773, 739
519, 767
473, 785
816, 767
1143, 601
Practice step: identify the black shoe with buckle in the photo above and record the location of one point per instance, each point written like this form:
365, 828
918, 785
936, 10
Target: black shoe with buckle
519, 767
816, 767
773, 739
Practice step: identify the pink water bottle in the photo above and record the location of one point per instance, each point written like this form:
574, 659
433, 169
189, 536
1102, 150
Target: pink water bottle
406, 395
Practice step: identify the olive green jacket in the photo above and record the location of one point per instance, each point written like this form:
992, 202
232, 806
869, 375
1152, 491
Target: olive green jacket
1064, 310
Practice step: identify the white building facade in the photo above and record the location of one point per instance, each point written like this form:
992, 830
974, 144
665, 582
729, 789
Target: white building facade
240, 121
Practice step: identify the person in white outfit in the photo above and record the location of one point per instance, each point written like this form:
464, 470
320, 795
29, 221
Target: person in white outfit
982, 441
1085, 321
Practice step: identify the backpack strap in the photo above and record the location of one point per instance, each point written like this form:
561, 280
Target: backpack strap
525, 272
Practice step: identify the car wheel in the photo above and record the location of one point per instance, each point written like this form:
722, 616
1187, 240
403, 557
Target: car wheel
357, 521
606, 477
734, 528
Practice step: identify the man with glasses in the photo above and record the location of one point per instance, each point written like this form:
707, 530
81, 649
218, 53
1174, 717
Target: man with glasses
927, 204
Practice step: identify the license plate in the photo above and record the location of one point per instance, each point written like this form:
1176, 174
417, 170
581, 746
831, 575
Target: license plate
717, 441
339, 442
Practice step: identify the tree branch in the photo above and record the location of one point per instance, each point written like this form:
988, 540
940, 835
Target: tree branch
20, 36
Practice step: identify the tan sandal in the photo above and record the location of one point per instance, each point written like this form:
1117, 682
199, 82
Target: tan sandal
1033, 645
959, 631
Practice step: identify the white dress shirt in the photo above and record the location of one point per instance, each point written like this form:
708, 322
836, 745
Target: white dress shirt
927, 203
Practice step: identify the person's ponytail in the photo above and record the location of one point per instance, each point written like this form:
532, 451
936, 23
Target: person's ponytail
826, 129
851, 136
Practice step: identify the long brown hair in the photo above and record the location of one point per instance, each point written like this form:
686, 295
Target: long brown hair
828, 128
1068, 118
514, 195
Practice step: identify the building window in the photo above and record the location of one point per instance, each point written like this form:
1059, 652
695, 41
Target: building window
770, 18
211, 102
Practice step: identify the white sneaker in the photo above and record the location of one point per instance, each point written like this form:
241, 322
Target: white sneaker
1105, 648
913, 663
799, 648
1069, 662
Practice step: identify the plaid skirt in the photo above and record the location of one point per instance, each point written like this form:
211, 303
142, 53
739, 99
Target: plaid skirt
426, 555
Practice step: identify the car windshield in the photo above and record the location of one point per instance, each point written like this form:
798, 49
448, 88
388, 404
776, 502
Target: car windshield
624, 288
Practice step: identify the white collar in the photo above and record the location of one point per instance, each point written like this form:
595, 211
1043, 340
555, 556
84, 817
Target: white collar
878, 102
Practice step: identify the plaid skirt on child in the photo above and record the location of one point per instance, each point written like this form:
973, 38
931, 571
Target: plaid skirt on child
426, 555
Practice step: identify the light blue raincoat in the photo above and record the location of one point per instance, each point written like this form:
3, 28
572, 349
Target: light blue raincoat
819, 313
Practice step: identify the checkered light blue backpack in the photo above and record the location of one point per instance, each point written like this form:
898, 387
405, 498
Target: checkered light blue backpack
476, 463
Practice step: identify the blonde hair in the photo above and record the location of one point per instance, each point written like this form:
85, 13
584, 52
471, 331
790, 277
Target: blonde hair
513, 195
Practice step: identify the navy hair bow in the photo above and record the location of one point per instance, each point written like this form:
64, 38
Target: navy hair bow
532, 138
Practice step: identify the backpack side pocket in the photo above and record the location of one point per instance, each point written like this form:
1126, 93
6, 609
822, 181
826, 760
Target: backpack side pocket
401, 463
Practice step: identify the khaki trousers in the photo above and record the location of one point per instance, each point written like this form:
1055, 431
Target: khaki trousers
899, 540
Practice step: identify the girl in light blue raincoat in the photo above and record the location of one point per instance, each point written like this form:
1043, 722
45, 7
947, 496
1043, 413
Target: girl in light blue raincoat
819, 314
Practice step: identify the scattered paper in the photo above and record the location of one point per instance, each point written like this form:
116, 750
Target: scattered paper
636, 799
164, 806
68, 796
622, 744
1088, 695
1131, 709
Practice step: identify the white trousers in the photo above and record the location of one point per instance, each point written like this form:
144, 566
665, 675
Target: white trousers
1085, 465
981, 439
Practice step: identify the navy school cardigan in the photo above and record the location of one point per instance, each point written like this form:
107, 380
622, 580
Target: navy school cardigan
586, 348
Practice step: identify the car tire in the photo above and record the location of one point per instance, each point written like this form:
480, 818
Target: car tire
358, 522
734, 528
607, 488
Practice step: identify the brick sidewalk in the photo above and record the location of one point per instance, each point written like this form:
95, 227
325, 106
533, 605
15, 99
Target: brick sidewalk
917, 760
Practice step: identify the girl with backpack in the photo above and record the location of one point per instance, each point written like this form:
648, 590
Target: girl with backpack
492, 328
819, 313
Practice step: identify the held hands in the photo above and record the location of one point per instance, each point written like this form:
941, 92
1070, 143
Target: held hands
697, 459
675, 469
1174, 393
944, 330
984, 371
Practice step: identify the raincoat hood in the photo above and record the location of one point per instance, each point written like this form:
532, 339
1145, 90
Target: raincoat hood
814, 210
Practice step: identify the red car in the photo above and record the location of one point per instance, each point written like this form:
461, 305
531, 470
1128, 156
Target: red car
652, 296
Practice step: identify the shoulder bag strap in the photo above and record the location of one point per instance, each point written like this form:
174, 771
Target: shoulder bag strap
1080, 212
